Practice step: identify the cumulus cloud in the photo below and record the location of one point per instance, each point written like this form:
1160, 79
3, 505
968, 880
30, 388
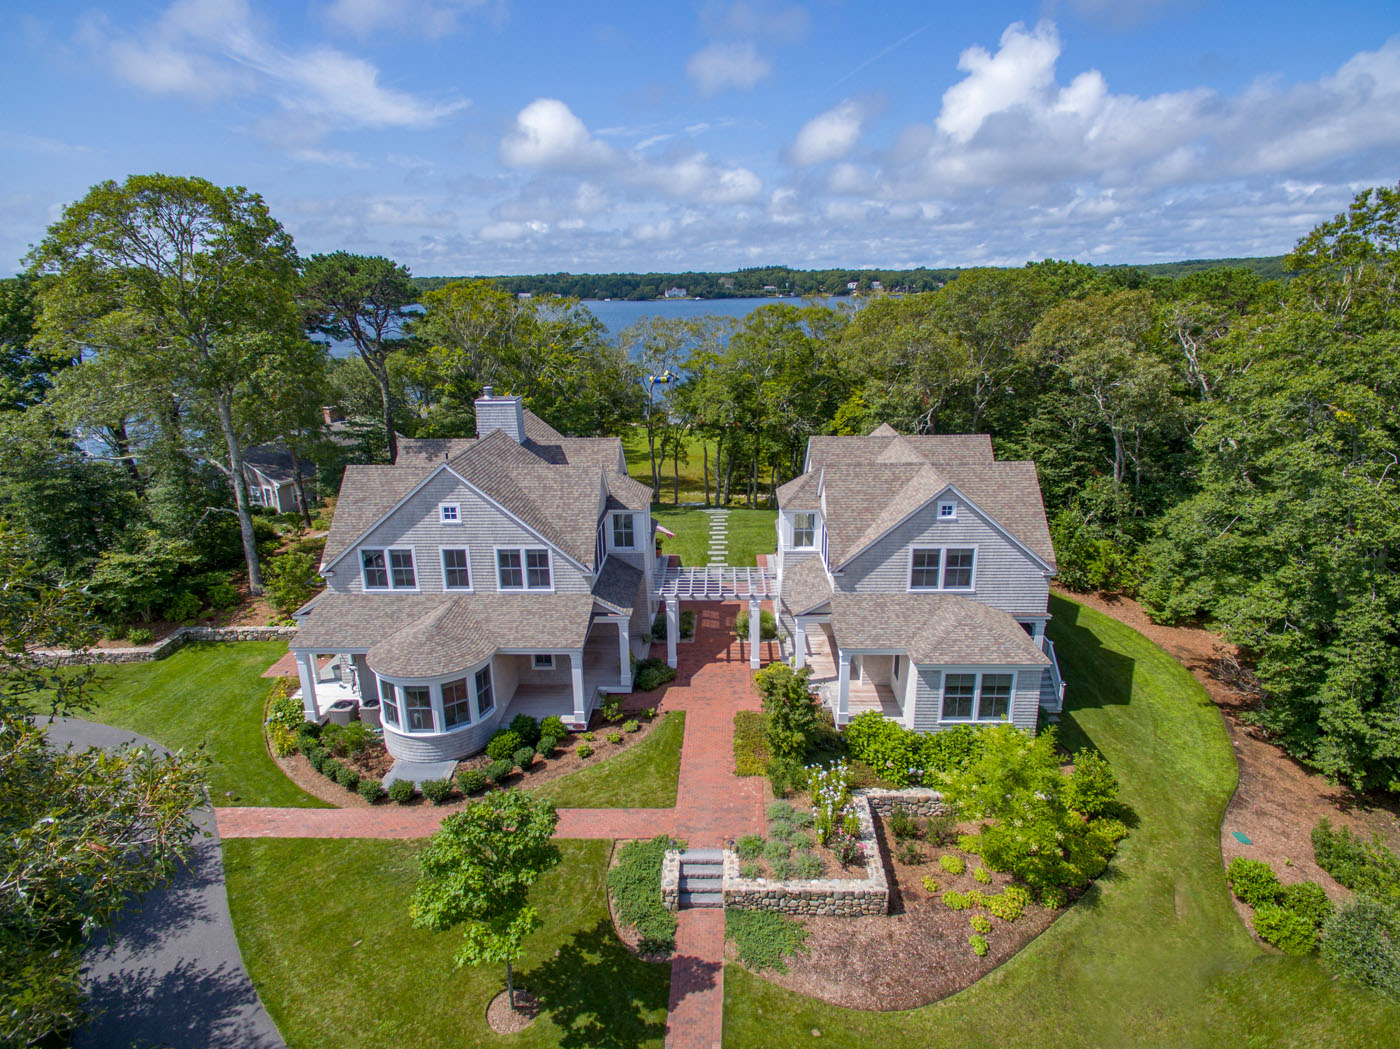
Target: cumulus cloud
830, 135
547, 134
727, 64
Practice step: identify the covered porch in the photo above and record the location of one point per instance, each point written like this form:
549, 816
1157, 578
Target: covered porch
570, 683
329, 678
851, 683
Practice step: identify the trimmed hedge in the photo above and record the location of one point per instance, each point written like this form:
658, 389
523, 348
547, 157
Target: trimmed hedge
1253, 881
901, 756
652, 674
504, 744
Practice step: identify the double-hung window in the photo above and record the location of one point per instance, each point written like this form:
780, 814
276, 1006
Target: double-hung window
388, 704
994, 702
456, 569
376, 572
979, 697
537, 575
418, 708
923, 568
389, 569
957, 569
959, 691
456, 704
804, 530
402, 575
525, 568
485, 696
624, 532
544, 661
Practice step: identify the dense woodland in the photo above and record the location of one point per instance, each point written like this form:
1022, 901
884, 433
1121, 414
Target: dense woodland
1222, 445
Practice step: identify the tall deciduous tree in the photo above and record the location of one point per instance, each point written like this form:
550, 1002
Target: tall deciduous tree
366, 300
200, 277
476, 872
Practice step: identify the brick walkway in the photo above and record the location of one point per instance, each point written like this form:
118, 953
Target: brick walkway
713, 807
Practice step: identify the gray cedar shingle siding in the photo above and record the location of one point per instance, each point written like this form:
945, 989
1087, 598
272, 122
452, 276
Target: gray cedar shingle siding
928, 698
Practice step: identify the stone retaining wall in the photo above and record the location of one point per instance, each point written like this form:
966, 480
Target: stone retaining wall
159, 649
829, 897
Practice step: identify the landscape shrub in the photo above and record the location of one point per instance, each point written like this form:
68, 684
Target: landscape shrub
649, 713
546, 747
903, 825
982, 876
807, 865
631, 725
748, 870
1287, 930
310, 728
524, 758
553, 726
781, 831
764, 938
790, 711
749, 847
436, 790
929, 883
218, 592
588, 737
635, 884
471, 781
767, 625
117, 631
1009, 904
503, 744
1092, 788
658, 625
583, 750
786, 776
614, 738
1361, 941
946, 751
978, 944
282, 709
1253, 881
141, 635
781, 868
846, 846
527, 728
1309, 900
781, 812
959, 901
910, 852
498, 770
886, 747
830, 788
652, 674
346, 740
798, 840
291, 581
370, 789
401, 791
776, 849
282, 740
182, 607
611, 709
952, 864
347, 777
131, 584
940, 828
1368, 868
980, 923
317, 757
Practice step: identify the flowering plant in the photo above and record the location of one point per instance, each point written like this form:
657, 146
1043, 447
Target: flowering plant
831, 798
847, 847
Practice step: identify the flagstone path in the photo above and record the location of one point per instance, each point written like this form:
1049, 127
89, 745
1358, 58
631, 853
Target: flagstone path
713, 806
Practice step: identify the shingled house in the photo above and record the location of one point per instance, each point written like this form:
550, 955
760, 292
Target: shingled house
913, 576
476, 579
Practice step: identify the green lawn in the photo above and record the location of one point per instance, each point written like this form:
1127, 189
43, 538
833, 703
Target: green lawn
324, 930
211, 694
1153, 955
641, 777
692, 528
750, 532
692, 466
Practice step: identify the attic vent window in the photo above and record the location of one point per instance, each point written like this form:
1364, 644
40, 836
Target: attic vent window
451, 513
948, 511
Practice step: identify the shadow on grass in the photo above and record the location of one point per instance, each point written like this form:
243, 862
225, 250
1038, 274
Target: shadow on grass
599, 994
1095, 676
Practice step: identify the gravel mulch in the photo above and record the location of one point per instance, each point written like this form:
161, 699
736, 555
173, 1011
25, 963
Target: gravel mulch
505, 1020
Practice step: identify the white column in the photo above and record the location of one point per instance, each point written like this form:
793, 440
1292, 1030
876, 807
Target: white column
673, 629
755, 632
799, 651
306, 670
576, 673
843, 694
624, 655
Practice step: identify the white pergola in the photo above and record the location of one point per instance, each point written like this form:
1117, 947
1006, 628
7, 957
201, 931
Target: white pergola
715, 583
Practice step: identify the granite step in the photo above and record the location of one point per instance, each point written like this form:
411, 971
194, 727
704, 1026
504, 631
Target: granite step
701, 899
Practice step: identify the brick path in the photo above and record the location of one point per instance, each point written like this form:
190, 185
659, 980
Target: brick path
713, 806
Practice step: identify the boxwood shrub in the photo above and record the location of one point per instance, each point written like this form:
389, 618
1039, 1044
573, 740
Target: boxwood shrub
1253, 881
650, 674
371, 789
1287, 930
503, 744
1361, 941
524, 758
498, 770
527, 728
401, 790
546, 747
553, 726
436, 790
471, 781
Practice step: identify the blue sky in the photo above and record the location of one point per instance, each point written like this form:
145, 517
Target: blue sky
492, 136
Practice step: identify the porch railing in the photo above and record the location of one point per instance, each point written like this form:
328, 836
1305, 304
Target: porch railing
1057, 683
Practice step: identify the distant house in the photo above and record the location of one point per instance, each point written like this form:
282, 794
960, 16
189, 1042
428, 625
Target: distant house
675, 293
770, 287
727, 282
876, 285
852, 285
267, 468
914, 579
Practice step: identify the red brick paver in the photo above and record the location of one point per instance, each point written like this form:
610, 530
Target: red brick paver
695, 1014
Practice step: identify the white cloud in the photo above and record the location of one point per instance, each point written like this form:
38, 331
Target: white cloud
830, 135
1017, 74
723, 65
752, 20
429, 18
547, 134
695, 177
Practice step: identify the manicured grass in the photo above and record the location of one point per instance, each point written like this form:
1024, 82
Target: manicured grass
692, 466
210, 694
1153, 955
324, 930
641, 777
692, 528
751, 532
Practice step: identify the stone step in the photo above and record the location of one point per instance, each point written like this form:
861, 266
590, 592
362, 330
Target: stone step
702, 899
702, 856
701, 870
693, 885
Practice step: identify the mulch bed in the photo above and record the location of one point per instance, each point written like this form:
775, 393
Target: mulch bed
505, 1020
1278, 801
831, 866
915, 955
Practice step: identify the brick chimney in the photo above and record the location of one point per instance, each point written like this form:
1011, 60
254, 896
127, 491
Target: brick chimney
500, 413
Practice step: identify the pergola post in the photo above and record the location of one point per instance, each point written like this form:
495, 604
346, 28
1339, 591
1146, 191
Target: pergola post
673, 630
306, 670
755, 631
624, 655
799, 640
576, 676
843, 690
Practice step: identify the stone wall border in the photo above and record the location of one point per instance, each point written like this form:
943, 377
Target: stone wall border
159, 649
671, 880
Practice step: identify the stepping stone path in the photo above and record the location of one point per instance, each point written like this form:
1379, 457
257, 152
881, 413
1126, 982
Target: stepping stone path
719, 536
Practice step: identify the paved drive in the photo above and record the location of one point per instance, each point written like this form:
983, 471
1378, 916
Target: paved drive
173, 976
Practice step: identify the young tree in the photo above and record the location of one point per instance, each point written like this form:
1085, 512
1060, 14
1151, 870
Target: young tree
364, 299
476, 871
177, 269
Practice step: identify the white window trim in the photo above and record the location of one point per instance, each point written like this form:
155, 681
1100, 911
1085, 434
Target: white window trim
953, 515
816, 529
978, 673
535, 663
389, 571
434, 687
612, 533
434, 709
471, 573
456, 508
525, 587
942, 549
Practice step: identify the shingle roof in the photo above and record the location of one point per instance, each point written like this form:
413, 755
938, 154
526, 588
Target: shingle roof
274, 462
805, 586
934, 629
367, 493
974, 447
618, 585
804, 490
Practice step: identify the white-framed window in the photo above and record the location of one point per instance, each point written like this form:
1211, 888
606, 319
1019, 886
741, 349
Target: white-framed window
268, 498
941, 567
624, 532
388, 704
948, 510
456, 568
450, 513
485, 694
255, 495
418, 708
973, 696
544, 661
388, 568
523, 568
456, 704
804, 530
